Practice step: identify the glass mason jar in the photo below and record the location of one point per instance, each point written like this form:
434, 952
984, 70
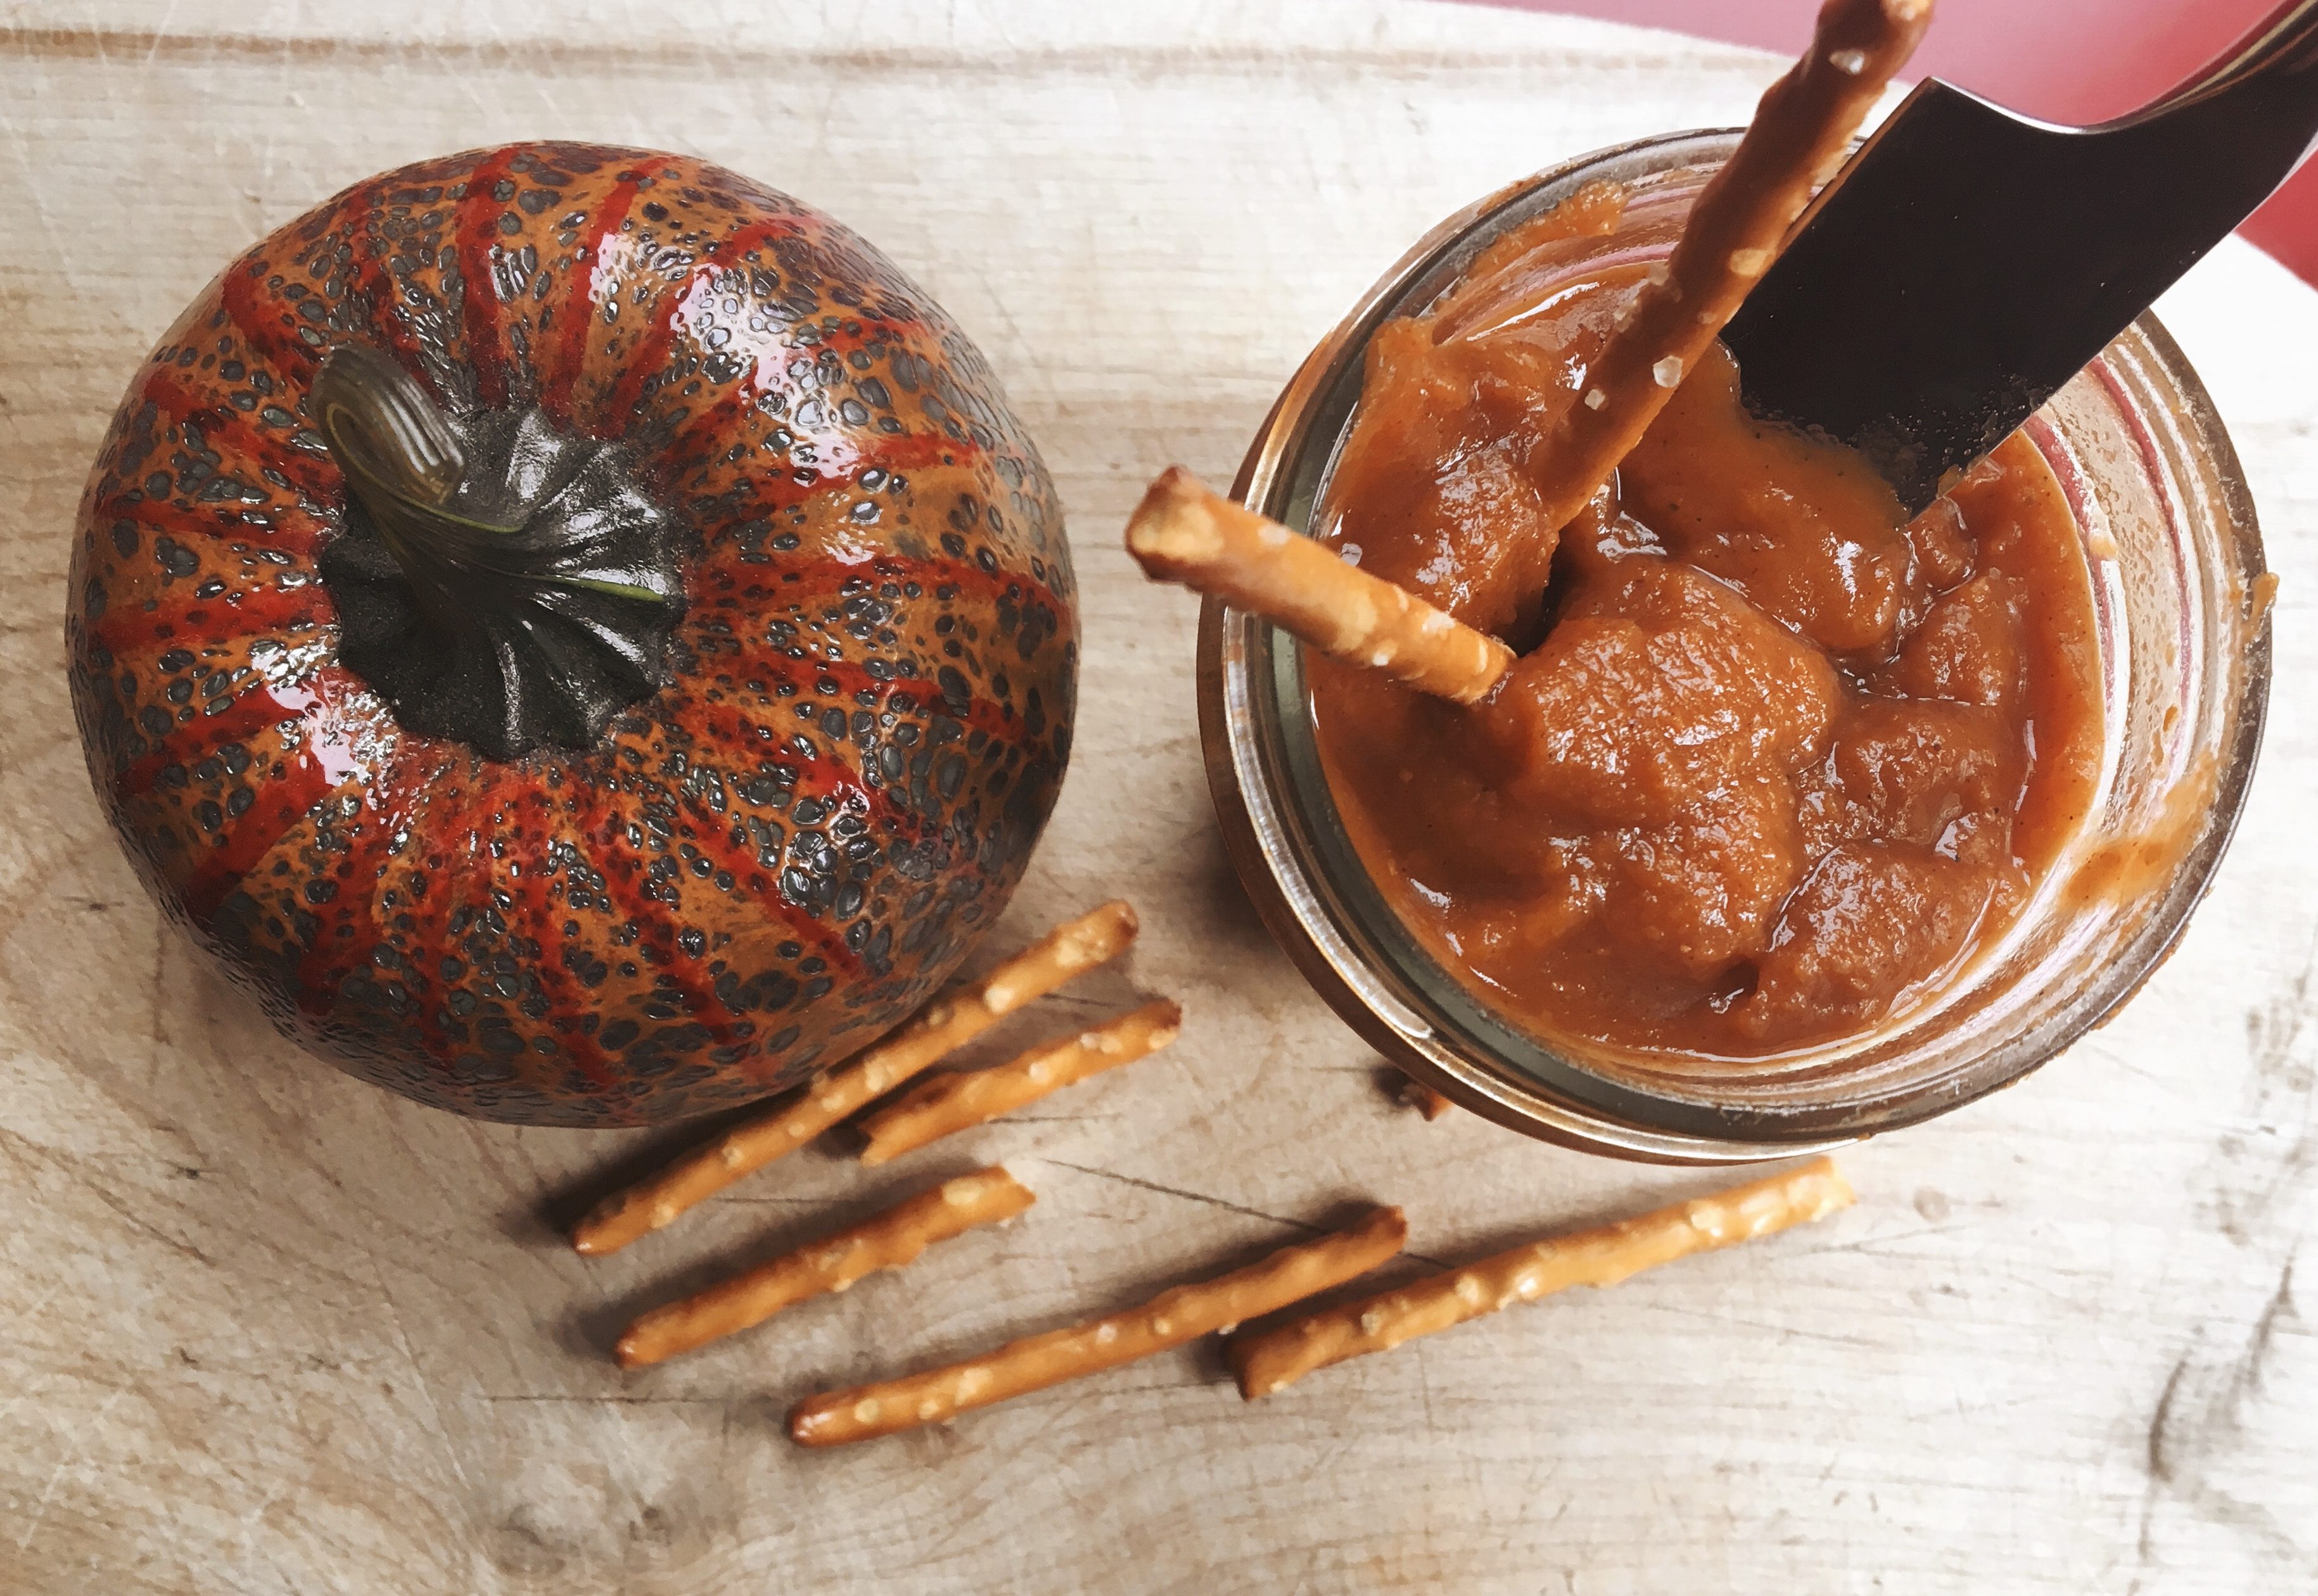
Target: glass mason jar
2168, 530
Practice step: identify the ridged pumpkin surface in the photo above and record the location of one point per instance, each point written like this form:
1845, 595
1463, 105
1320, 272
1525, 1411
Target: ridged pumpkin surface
866, 706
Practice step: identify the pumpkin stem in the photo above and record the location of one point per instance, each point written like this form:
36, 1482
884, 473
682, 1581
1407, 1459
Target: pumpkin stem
404, 465
382, 425
498, 582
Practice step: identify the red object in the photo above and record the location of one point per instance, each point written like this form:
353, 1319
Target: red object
636, 814
2063, 61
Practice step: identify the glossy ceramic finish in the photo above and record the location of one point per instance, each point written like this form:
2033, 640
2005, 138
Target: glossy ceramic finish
762, 866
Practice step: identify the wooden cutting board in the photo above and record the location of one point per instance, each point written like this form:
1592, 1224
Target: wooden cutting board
267, 1330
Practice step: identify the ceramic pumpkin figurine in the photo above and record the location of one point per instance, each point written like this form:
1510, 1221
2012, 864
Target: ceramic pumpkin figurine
577, 632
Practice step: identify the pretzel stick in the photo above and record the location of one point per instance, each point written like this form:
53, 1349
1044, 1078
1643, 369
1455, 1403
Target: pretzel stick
1603, 1256
942, 1027
946, 1103
1802, 131
884, 1241
1168, 1320
1185, 532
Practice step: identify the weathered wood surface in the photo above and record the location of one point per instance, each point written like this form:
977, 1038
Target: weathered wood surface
267, 1330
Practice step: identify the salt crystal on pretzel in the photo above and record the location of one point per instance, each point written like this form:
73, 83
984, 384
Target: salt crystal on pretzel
1169, 1320
1185, 532
1800, 133
939, 1028
947, 1104
885, 1241
1265, 1361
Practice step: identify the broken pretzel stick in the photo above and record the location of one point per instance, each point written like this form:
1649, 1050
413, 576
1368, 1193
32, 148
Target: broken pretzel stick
1264, 1362
1424, 1099
1802, 131
1168, 1320
884, 1241
937, 1108
941, 1027
1185, 532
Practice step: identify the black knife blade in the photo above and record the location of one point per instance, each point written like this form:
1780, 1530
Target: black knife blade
1967, 261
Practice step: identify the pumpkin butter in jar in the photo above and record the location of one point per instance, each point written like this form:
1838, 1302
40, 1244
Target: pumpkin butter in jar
1775, 761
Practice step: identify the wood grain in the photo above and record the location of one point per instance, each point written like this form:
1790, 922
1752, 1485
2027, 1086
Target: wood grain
267, 1331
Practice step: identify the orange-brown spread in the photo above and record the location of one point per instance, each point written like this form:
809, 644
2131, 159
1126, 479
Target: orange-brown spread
1773, 762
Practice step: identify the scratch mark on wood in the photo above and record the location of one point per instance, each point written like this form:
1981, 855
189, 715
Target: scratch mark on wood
1190, 1196
1306, 1227
447, 1443
75, 1456
70, 1168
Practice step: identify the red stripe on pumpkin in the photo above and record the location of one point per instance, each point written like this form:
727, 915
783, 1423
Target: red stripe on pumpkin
622, 870
330, 959
568, 1001
713, 428
828, 576
831, 781
478, 220
297, 536
581, 312
308, 473
284, 803
980, 713
373, 278
449, 853
703, 436
712, 833
652, 352
268, 326
773, 495
843, 456
324, 761
251, 713
229, 618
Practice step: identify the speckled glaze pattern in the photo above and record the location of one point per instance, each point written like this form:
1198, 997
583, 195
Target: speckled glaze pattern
763, 866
